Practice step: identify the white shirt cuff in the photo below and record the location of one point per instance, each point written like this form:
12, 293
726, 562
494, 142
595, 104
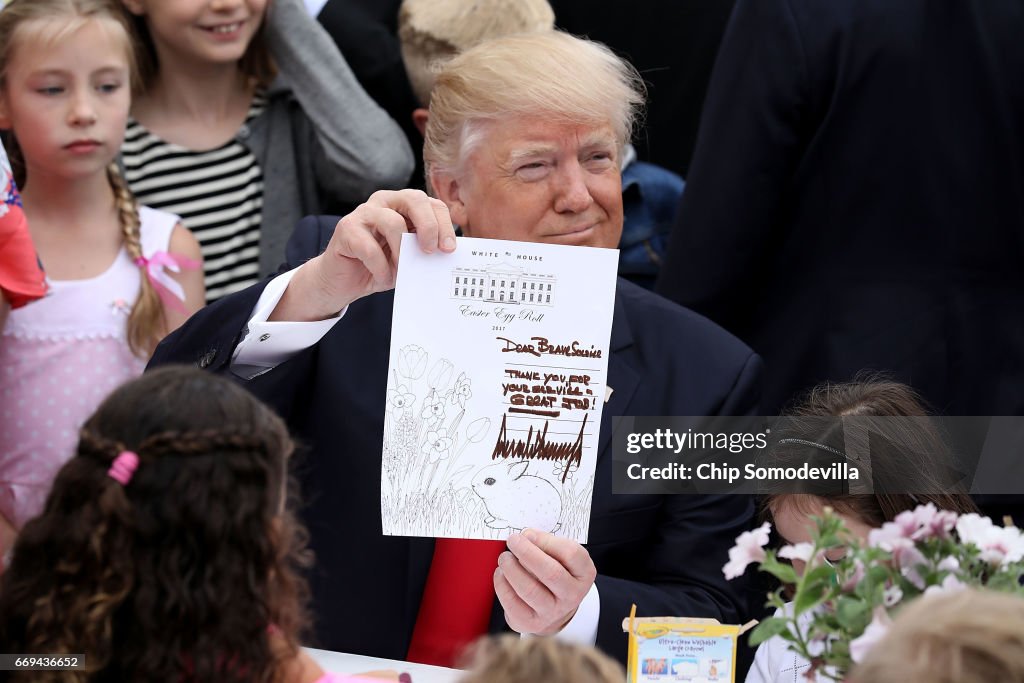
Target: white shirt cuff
582, 628
265, 345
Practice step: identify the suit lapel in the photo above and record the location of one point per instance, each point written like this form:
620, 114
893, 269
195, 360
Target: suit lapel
623, 380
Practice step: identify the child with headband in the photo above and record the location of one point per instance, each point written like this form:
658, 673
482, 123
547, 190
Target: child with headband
791, 513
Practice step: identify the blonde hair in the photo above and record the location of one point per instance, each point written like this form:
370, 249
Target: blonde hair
550, 76
22, 19
146, 323
511, 659
18, 16
433, 31
967, 636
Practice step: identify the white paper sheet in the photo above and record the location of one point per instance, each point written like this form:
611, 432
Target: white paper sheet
499, 357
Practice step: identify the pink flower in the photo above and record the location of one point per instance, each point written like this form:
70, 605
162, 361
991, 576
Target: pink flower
924, 521
876, 630
749, 548
854, 579
943, 523
890, 535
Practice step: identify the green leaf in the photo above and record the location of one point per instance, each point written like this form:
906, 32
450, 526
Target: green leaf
782, 571
852, 614
769, 628
808, 597
820, 574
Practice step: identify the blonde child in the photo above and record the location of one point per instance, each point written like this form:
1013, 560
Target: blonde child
791, 513
65, 67
239, 153
432, 32
167, 550
966, 636
512, 659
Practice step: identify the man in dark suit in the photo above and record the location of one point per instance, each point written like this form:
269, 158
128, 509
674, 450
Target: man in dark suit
856, 197
541, 165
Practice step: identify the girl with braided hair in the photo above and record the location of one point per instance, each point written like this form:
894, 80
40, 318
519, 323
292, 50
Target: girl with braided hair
65, 70
168, 549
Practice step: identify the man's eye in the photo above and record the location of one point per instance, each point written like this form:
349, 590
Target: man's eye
532, 171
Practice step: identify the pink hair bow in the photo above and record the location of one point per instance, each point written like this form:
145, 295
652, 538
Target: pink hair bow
170, 290
124, 467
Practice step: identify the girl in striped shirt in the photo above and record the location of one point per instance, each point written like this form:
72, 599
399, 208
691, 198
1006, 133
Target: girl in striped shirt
247, 119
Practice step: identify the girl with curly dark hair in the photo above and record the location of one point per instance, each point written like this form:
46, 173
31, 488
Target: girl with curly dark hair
167, 550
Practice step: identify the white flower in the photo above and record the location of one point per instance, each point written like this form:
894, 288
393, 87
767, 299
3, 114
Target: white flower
998, 545
949, 584
892, 595
437, 447
875, 632
412, 361
749, 548
798, 551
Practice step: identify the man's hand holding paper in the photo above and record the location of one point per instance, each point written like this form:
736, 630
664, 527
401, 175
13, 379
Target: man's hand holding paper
541, 581
362, 257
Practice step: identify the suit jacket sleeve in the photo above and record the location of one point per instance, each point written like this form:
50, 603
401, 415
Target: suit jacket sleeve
748, 148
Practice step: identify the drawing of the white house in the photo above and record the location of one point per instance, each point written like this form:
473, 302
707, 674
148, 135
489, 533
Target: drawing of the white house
502, 283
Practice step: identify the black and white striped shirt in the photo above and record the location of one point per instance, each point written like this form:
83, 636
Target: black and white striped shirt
218, 193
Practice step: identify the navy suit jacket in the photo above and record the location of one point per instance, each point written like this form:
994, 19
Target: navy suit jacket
665, 553
856, 197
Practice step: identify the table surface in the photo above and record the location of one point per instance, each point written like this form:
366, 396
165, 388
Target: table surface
342, 663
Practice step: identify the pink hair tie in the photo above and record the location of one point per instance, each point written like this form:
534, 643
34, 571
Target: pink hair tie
124, 467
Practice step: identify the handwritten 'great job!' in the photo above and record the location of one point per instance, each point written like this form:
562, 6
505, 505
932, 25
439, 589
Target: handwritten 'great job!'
499, 358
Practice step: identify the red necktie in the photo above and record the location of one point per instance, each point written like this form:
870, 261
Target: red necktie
457, 600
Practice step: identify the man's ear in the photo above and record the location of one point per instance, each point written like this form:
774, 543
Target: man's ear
447, 189
134, 6
419, 119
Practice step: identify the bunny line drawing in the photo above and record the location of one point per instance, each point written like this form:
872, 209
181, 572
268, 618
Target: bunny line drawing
516, 500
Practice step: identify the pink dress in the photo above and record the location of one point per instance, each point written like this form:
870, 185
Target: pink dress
59, 358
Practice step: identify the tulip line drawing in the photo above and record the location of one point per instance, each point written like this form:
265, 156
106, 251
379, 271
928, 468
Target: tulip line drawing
427, 430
